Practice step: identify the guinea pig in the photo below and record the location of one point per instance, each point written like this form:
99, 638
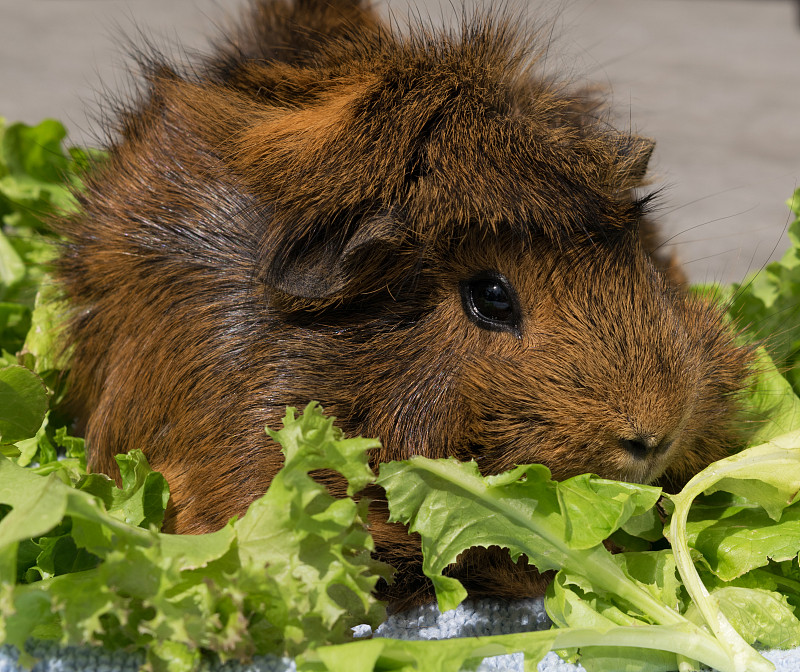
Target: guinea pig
447, 249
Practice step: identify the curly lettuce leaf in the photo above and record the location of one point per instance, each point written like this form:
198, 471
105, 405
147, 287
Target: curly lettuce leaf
294, 572
316, 547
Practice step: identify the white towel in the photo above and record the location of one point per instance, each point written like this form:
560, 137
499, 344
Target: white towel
470, 619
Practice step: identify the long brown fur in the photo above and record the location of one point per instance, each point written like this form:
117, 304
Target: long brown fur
293, 218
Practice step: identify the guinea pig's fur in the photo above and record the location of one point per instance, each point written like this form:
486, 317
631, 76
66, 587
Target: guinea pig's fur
445, 248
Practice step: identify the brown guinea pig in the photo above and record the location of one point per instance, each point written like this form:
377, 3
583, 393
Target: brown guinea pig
443, 247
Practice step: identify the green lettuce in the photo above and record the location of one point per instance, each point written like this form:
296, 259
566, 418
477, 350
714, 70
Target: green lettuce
37, 179
294, 573
452, 507
766, 304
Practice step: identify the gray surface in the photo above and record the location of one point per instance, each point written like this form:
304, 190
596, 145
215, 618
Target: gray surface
715, 82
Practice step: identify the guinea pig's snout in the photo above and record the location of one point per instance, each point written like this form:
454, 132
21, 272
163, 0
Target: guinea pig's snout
653, 424
645, 446
644, 457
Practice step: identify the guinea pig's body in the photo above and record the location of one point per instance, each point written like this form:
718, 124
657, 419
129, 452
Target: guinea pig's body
444, 250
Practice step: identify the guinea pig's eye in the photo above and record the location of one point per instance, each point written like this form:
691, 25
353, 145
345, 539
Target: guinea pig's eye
490, 301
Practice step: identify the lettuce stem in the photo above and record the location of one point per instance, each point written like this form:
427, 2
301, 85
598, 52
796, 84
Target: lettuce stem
744, 657
680, 639
683, 640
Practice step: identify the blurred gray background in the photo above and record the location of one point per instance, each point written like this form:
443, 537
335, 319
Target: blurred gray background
715, 82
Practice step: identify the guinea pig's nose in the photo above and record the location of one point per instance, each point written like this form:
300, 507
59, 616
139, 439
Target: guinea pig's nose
644, 446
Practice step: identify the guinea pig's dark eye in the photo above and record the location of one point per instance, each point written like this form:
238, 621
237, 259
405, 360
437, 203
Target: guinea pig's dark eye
490, 301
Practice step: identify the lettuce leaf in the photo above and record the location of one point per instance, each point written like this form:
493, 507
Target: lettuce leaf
453, 507
734, 535
23, 403
295, 572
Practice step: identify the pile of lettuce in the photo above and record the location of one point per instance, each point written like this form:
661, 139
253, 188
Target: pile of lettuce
82, 561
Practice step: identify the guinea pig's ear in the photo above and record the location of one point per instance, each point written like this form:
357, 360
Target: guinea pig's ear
634, 154
330, 266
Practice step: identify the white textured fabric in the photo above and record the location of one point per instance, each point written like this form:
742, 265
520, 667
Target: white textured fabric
470, 619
